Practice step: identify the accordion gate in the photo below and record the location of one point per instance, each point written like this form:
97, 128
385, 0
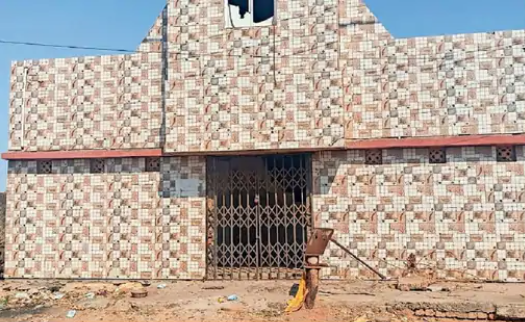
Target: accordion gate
258, 211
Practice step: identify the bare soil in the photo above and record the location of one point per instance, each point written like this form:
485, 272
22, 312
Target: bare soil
36, 300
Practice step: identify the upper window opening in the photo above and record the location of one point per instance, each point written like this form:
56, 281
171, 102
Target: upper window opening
437, 155
44, 167
374, 157
249, 13
97, 166
506, 154
153, 164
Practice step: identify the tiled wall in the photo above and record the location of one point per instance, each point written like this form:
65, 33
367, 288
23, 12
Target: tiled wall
2, 205
328, 71
258, 88
429, 86
447, 85
123, 223
108, 102
2, 230
464, 219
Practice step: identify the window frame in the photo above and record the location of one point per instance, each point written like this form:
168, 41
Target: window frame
368, 157
41, 167
148, 162
435, 160
228, 22
513, 156
93, 166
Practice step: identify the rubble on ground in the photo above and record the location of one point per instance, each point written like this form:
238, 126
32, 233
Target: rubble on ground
409, 299
82, 295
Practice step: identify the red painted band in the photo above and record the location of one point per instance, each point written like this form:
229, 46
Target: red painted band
429, 142
384, 143
81, 154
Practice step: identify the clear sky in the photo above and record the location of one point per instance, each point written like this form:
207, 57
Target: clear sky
123, 24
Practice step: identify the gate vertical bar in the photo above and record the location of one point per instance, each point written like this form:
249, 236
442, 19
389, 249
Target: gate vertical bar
250, 222
209, 252
224, 228
211, 222
216, 225
232, 222
310, 222
267, 208
275, 186
298, 211
258, 221
239, 210
284, 218
215, 220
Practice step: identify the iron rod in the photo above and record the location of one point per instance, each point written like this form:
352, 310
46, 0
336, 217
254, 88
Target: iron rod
267, 209
299, 211
216, 223
383, 277
239, 242
277, 226
231, 227
286, 254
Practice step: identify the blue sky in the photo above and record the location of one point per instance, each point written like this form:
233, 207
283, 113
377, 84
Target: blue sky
122, 24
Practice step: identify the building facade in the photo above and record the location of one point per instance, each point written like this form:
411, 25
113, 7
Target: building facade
2, 231
210, 151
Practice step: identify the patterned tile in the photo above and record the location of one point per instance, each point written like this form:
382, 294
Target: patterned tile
328, 72
464, 218
122, 223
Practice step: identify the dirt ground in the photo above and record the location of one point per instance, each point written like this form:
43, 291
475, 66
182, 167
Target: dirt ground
257, 301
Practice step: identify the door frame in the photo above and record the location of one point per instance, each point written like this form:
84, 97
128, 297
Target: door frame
301, 219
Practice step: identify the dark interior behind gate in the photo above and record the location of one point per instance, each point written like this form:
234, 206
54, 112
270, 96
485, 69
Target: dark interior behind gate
257, 216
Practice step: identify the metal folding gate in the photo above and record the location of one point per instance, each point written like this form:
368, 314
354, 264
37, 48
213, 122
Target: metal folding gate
258, 211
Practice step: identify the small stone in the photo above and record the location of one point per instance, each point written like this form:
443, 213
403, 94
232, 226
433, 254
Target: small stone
127, 287
54, 288
22, 296
71, 314
122, 306
383, 318
140, 293
420, 312
435, 288
33, 292
482, 316
232, 297
95, 304
463, 316
512, 312
412, 284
